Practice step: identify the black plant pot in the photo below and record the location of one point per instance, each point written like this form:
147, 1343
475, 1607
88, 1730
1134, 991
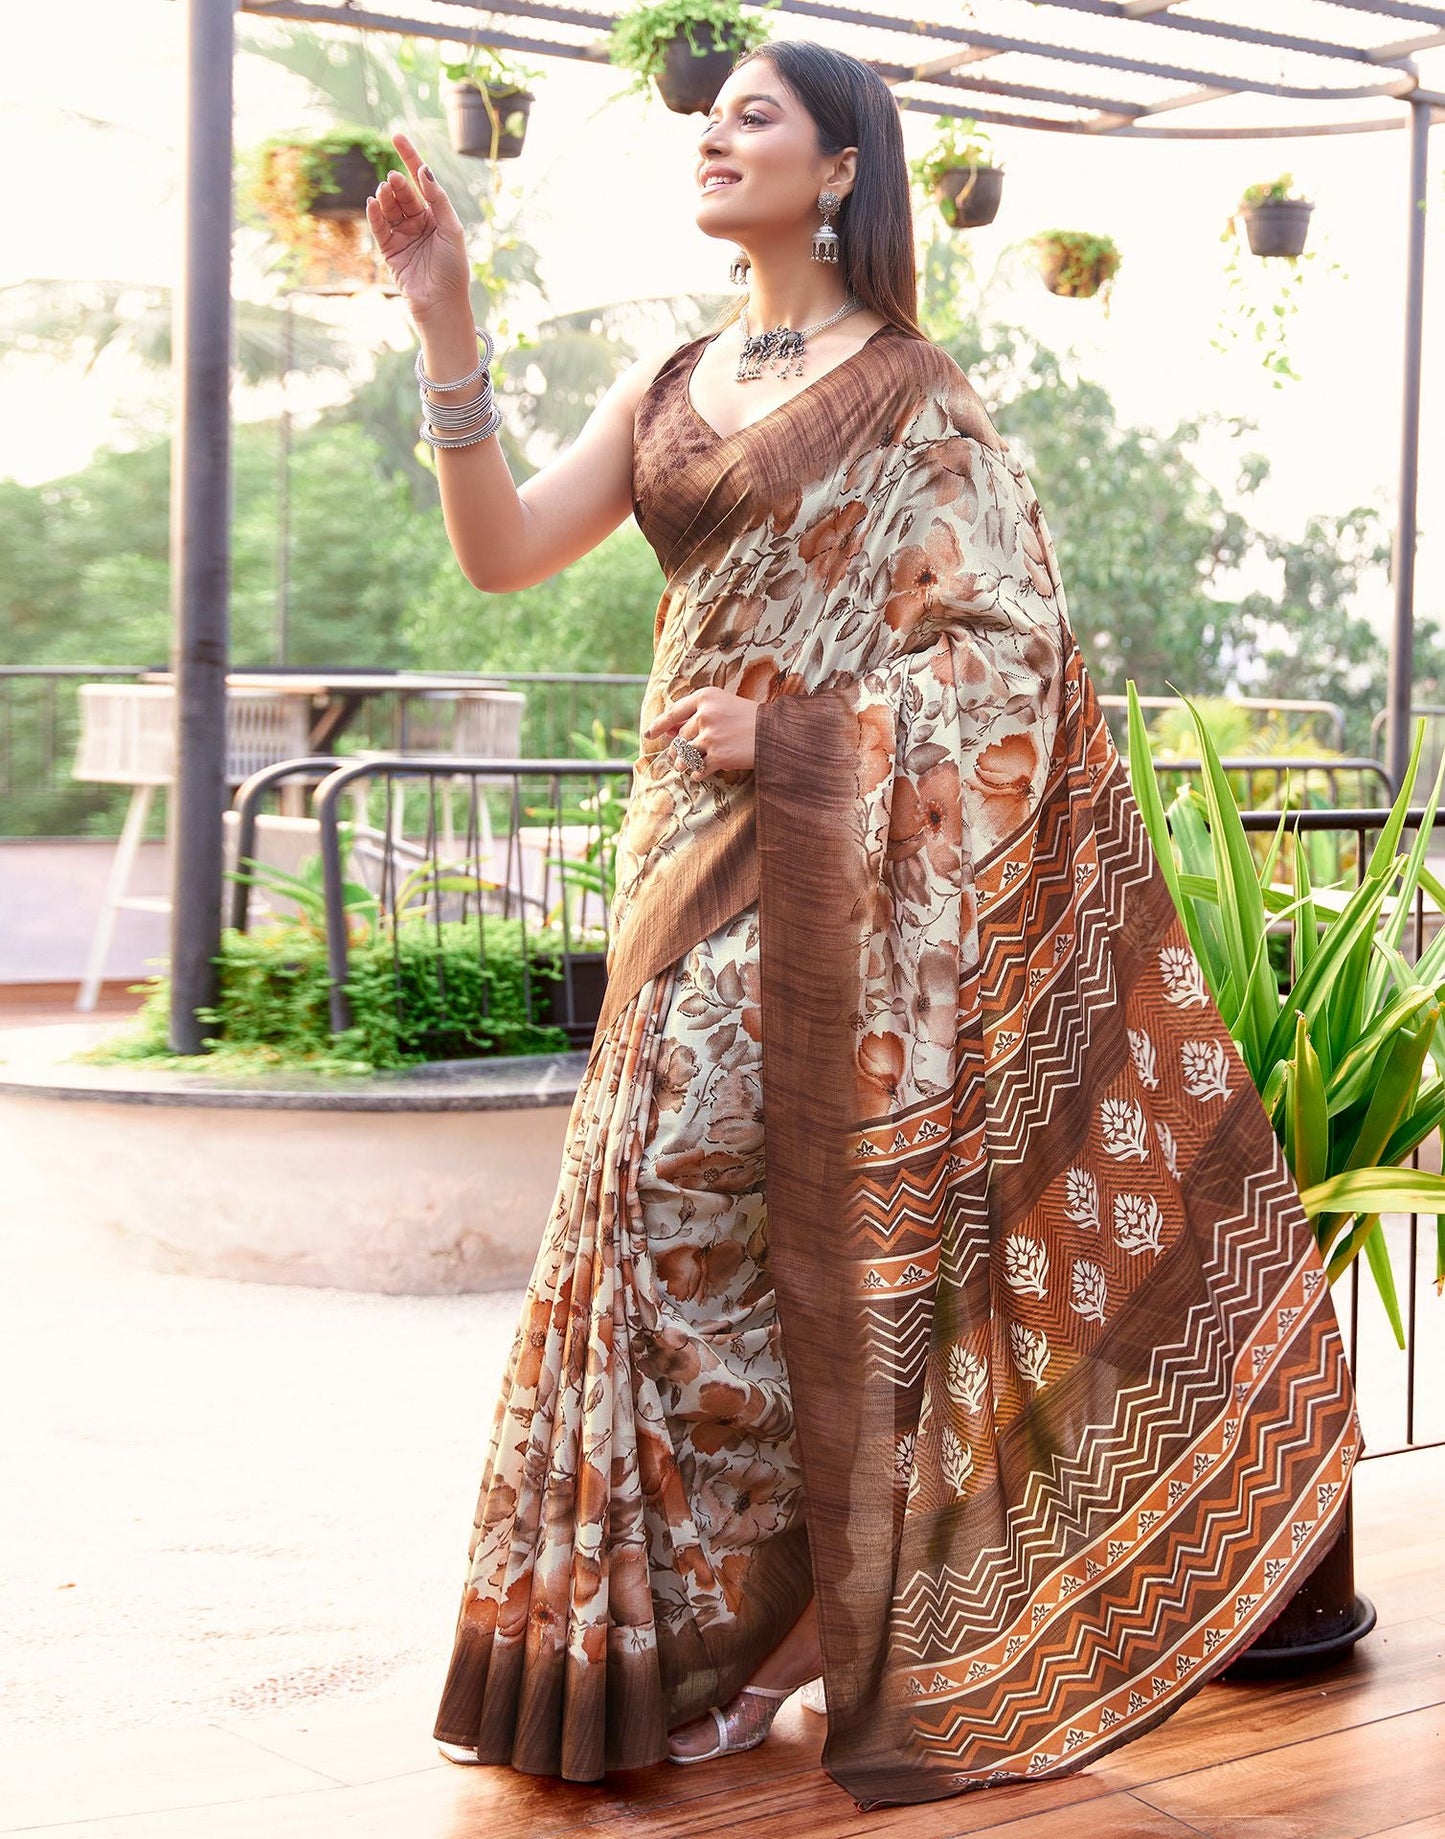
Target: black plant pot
1279, 226
354, 176
587, 971
689, 84
1320, 1623
471, 126
969, 196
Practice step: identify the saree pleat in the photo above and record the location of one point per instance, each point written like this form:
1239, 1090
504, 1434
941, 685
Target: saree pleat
921, 1244
638, 1540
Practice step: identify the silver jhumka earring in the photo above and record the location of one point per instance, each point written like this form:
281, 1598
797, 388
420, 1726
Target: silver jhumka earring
741, 268
825, 237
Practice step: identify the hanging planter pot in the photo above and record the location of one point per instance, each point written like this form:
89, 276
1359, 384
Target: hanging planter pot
969, 196
689, 83
1076, 264
687, 47
311, 194
1276, 225
959, 173
488, 121
350, 178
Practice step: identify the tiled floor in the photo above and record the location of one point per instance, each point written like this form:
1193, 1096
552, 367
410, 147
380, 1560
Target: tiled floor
1355, 1750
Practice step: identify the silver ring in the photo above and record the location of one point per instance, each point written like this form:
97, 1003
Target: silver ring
689, 754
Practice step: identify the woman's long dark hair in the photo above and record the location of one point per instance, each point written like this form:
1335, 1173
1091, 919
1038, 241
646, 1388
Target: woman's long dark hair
852, 106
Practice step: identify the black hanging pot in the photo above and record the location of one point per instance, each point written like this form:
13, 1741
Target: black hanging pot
353, 179
969, 196
1320, 1623
689, 83
472, 127
1278, 226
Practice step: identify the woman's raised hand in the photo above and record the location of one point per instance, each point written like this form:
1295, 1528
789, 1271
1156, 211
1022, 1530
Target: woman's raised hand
420, 237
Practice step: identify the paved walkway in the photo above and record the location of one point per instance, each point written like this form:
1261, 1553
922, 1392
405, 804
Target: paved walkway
229, 1498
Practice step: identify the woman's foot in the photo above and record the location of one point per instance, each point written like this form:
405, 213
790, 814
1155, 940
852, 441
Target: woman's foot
746, 1719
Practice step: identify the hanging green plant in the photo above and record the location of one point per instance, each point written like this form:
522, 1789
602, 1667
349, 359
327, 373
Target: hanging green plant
1276, 218
311, 192
686, 46
958, 171
1262, 298
488, 104
1077, 263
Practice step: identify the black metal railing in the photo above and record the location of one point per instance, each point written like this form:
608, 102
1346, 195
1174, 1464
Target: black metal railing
1324, 720
39, 730
451, 843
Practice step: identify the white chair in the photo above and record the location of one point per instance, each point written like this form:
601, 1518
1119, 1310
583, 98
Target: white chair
483, 723
127, 737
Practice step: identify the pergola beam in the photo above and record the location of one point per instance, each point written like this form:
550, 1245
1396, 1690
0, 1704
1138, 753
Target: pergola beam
974, 43
1220, 29
1098, 60
313, 12
1021, 92
1396, 9
1407, 47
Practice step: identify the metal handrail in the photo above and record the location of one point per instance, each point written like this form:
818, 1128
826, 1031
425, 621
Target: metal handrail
1289, 705
404, 766
1284, 764
246, 804
1380, 717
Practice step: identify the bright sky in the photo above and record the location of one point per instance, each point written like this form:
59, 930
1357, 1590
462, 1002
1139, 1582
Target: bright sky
612, 216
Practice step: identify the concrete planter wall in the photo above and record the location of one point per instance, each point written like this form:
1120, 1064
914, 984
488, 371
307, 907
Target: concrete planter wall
417, 1184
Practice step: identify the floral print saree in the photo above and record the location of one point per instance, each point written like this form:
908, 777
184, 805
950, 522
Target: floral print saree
920, 1243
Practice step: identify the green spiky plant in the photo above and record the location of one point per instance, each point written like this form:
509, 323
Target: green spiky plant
1346, 1059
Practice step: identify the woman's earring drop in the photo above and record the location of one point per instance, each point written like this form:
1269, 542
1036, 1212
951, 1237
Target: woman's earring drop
825, 237
738, 273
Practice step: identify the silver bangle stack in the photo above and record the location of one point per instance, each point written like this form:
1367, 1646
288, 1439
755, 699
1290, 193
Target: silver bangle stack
461, 424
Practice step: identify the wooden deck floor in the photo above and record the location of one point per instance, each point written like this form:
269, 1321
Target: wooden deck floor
1356, 1750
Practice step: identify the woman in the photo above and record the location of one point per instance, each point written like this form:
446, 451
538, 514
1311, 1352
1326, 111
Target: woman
1012, 1400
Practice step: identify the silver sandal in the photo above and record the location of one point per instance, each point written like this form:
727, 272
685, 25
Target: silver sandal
742, 1726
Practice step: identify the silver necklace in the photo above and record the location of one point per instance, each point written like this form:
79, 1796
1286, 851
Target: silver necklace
782, 347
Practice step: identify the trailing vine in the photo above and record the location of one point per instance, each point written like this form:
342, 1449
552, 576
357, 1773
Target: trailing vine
1262, 295
289, 173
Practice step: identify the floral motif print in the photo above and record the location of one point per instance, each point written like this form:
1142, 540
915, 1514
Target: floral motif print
644, 1463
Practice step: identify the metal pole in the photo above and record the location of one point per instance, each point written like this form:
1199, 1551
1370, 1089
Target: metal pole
200, 505
1402, 643
283, 508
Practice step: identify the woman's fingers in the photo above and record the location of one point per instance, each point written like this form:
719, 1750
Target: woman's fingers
423, 193
398, 199
670, 719
406, 147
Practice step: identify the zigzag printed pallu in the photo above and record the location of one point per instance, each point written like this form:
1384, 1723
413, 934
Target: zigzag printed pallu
920, 1242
